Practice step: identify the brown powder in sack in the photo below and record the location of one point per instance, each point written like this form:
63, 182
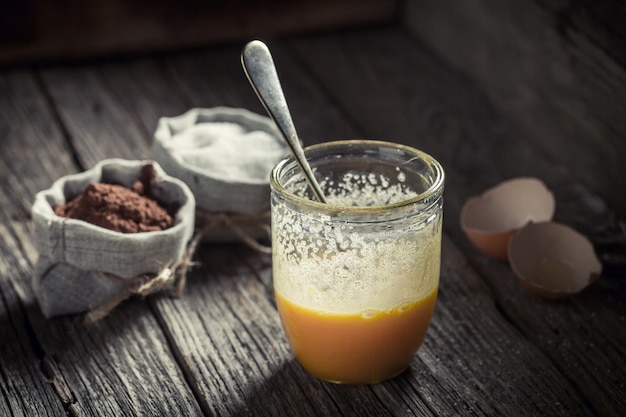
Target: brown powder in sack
118, 208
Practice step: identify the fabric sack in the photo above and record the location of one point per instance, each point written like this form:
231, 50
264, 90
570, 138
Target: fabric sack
82, 266
224, 154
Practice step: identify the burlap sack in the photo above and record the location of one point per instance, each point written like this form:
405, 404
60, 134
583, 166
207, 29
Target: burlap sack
225, 155
82, 266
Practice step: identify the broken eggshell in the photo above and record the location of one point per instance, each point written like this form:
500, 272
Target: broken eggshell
553, 260
491, 218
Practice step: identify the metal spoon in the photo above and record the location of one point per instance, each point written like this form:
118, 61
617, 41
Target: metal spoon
258, 65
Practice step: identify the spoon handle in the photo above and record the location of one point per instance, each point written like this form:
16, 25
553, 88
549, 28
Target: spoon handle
259, 67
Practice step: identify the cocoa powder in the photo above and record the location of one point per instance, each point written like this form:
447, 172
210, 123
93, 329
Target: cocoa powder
118, 208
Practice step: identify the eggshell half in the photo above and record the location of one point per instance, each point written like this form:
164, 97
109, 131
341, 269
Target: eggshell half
491, 218
553, 260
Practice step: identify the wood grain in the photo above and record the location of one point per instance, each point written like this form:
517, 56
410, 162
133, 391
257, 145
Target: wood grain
555, 68
492, 348
478, 147
60, 30
26, 390
92, 369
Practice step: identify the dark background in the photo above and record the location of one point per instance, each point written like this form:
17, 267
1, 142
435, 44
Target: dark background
555, 67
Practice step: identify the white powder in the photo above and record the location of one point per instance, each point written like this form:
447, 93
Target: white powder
228, 150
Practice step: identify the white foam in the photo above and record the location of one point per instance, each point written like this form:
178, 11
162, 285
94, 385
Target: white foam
332, 266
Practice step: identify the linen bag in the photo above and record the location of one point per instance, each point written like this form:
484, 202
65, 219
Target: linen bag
225, 156
82, 267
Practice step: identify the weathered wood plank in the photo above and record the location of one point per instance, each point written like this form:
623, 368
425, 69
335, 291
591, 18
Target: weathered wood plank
25, 389
145, 89
408, 98
513, 377
492, 348
26, 120
91, 368
601, 20
216, 78
71, 29
551, 67
96, 124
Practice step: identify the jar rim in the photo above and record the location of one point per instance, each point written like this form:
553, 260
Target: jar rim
435, 188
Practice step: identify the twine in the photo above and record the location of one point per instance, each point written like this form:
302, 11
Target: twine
174, 276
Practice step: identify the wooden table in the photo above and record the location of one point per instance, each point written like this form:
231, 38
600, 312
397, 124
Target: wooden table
492, 348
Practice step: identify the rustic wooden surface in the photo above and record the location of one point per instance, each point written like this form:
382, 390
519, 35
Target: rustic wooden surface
492, 348
557, 68
36, 31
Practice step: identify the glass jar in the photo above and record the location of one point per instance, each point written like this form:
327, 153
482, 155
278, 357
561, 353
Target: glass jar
356, 279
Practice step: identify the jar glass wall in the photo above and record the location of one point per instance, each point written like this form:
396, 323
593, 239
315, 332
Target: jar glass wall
356, 279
